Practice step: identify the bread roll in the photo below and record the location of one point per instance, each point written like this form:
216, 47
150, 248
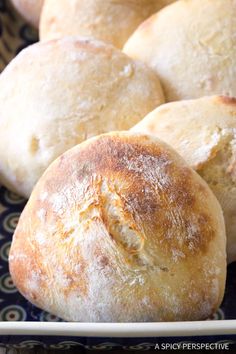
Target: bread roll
29, 9
54, 95
203, 131
111, 21
120, 229
192, 46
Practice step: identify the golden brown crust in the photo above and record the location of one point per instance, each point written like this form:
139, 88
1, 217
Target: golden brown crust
231, 101
121, 208
108, 163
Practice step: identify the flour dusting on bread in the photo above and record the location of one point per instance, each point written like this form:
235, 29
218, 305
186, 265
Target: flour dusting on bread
128, 227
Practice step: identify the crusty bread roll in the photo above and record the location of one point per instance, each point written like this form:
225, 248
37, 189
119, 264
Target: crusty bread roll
29, 9
108, 20
55, 95
120, 229
192, 46
203, 131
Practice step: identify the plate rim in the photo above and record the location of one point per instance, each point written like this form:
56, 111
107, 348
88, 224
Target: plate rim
124, 330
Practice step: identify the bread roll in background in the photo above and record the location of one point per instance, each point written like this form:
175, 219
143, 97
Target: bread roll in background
203, 131
56, 94
120, 229
192, 46
111, 21
30, 10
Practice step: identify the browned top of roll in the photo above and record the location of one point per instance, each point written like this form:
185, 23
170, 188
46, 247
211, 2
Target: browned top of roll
125, 231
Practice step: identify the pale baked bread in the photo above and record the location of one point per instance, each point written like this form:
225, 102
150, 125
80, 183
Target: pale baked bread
29, 9
192, 46
120, 229
109, 20
55, 95
203, 131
